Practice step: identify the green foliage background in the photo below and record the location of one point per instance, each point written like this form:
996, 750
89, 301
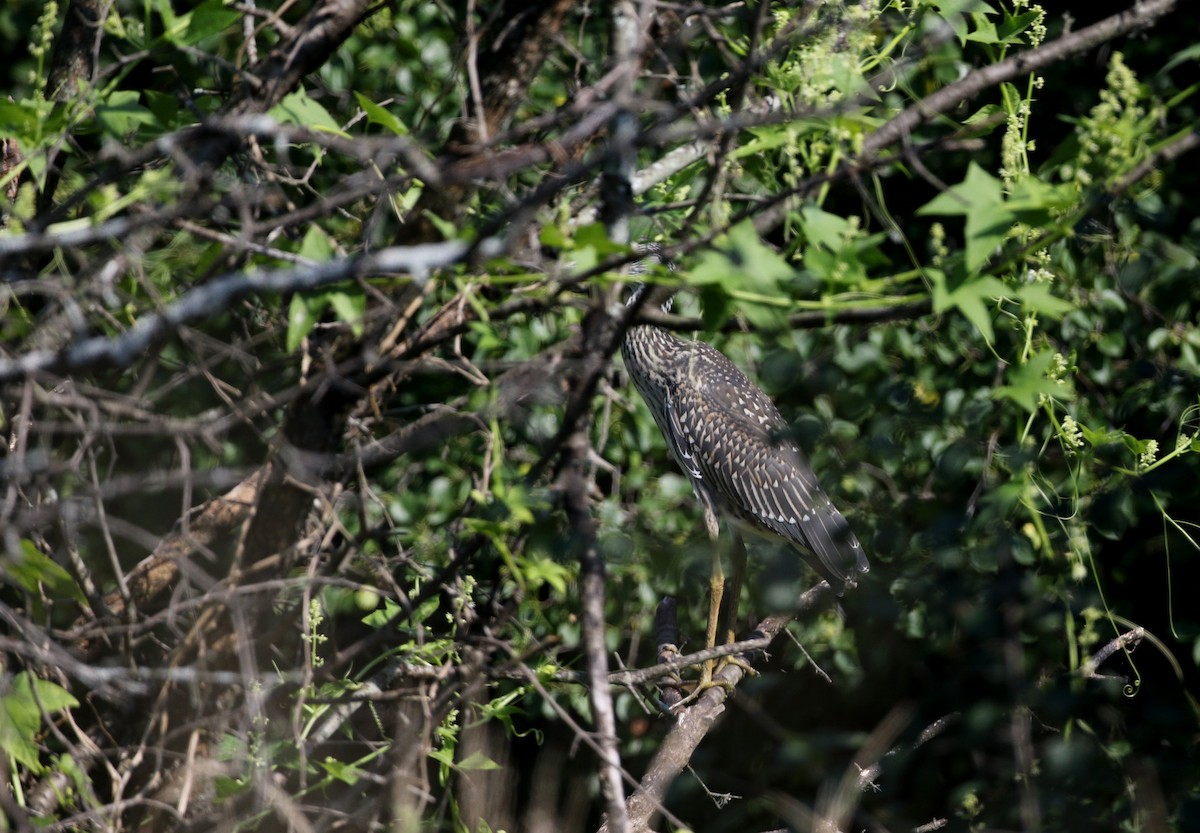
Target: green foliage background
1013, 435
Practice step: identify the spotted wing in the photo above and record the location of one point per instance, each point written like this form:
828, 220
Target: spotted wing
731, 437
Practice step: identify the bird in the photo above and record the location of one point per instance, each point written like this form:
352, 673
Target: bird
735, 448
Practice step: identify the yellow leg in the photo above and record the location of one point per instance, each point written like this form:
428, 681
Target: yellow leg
716, 590
731, 598
716, 594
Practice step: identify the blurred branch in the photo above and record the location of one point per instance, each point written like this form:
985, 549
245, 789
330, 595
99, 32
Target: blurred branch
218, 295
800, 320
599, 341
1163, 156
591, 592
307, 48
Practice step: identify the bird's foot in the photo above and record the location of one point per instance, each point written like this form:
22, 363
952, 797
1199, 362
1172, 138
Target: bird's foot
709, 679
737, 660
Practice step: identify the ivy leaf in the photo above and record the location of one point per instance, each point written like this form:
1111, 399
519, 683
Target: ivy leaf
1028, 382
743, 264
1038, 298
953, 11
985, 30
1014, 25
1036, 202
346, 773
825, 229
973, 298
980, 198
382, 616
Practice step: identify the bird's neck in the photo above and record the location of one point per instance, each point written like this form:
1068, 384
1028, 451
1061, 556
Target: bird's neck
640, 289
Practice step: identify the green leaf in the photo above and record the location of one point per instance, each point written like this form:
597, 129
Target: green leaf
21, 711
985, 30
1036, 202
546, 571
346, 773
825, 229
1101, 436
1038, 298
1112, 344
226, 787
316, 245
301, 320
18, 119
448, 230
766, 138
1014, 25
172, 25
980, 198
380, 116
981, 115
953, 11
207, 19
121, 114
478, 761
382, 616
164, 107
31, 569
350, 308
972, 298
743, 264
1029, 382
552, 236
297, 108
595, 236
1191, 53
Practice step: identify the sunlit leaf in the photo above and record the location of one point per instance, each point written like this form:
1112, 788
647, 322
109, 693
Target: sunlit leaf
21, 711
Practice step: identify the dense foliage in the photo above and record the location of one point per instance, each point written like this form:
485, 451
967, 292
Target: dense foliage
318, 461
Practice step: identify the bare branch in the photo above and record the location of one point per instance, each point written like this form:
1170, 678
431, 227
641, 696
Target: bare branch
1125, 642
698, 720
218, 295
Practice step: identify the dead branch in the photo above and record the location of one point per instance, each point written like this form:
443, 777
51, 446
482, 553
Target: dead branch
696, 722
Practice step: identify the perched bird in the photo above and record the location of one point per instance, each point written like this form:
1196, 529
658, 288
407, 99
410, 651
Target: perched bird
736, 449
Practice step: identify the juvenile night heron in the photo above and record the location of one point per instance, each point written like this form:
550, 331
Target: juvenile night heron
736, 449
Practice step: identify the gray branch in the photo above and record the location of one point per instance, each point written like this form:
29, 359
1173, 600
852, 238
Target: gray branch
221, 293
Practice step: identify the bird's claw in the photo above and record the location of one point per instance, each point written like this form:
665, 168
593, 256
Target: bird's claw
709, 679
736, 659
